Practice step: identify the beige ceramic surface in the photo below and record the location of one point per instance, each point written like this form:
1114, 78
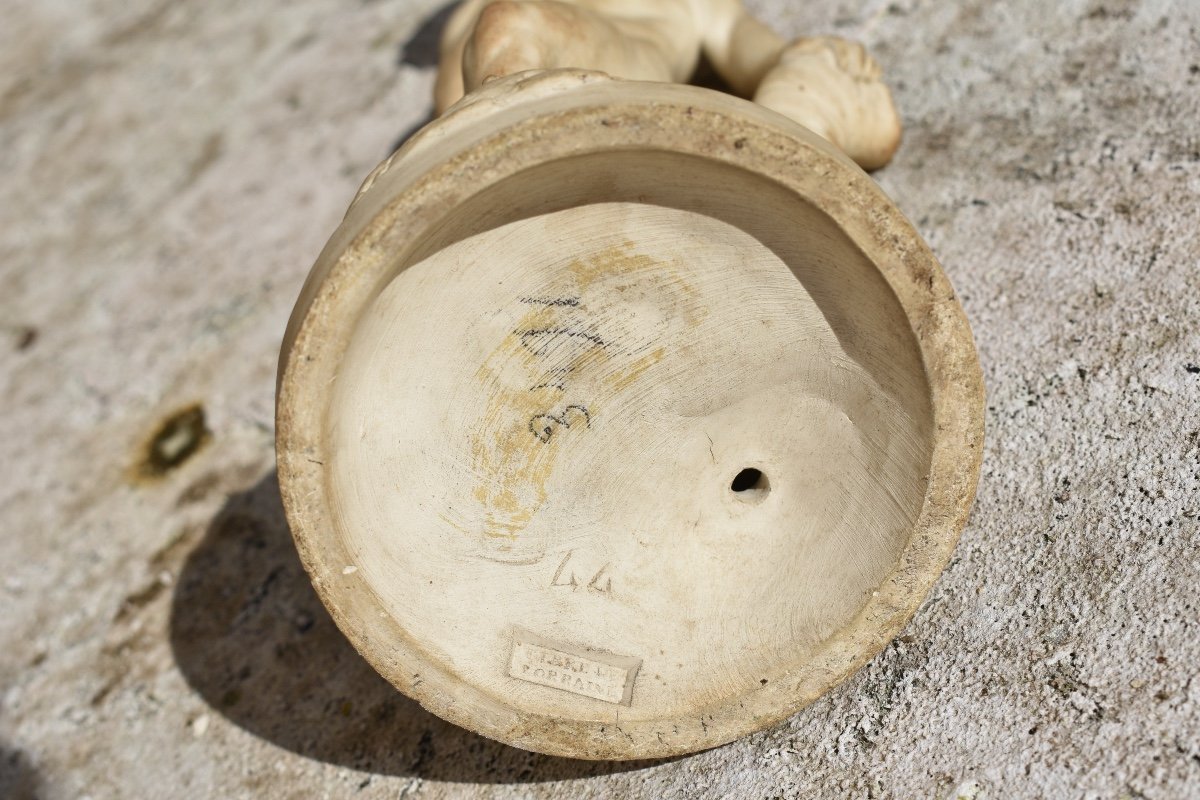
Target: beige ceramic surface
527, 372
829, 84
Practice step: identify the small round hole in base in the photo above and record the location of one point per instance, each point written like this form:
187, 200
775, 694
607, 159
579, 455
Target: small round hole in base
750, 484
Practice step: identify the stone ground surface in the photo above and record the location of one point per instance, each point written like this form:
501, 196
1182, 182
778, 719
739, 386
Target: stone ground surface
171, 171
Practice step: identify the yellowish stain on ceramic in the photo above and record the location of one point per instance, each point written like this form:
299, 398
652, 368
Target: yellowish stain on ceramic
533, 382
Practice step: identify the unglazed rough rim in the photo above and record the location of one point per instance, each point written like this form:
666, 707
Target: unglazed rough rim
681, 119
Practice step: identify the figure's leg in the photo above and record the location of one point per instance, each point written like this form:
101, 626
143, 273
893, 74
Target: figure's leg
740, 48
510, 36
829, 85
834, 88
449, 86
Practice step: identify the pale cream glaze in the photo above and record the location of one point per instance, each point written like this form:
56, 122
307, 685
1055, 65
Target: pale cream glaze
523, 374
828, 84
540, 425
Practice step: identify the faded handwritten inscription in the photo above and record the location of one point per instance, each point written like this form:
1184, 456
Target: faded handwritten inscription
543, 426
590, 673
546, 381
550, 301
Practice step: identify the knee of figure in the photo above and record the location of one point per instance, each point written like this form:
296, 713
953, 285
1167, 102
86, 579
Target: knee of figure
505, 40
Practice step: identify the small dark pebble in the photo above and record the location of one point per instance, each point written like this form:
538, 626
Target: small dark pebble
26, 337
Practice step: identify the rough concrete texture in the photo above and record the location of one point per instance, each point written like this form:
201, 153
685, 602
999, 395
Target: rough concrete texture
172, 169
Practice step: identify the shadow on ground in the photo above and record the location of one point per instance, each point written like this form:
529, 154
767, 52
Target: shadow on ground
421, 49
250, 635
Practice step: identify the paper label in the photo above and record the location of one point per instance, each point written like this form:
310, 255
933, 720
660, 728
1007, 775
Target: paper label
584, 672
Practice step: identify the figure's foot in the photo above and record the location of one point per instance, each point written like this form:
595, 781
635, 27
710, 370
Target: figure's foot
833, 87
